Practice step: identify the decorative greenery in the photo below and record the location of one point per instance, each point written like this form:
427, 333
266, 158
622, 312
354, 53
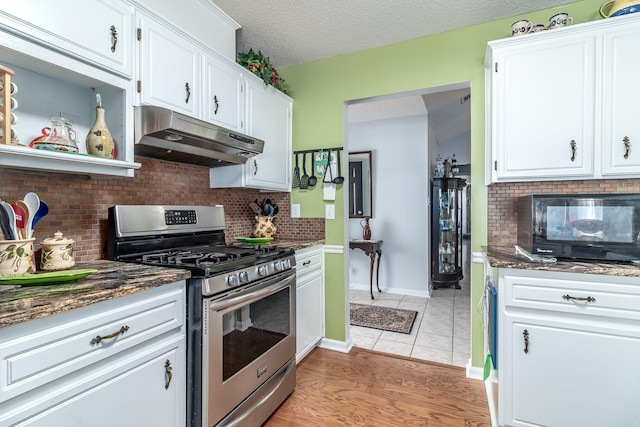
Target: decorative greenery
260, 65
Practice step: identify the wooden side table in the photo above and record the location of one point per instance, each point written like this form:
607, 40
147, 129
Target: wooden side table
372, 249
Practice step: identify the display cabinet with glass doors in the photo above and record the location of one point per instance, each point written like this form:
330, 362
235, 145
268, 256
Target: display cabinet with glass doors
446, 231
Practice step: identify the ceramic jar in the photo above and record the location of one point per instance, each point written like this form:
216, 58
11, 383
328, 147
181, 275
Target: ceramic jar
16, 256
264, 227
99, 140
57, 253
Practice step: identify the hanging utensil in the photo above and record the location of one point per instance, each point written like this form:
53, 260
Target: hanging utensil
296, 175
304, 181
338, 179
312, 178
328, 169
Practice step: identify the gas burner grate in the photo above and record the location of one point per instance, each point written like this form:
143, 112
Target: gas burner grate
187, 258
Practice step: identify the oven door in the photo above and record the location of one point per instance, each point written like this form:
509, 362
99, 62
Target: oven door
248, 336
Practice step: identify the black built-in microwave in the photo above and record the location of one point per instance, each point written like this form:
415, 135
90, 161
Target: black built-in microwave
585, 226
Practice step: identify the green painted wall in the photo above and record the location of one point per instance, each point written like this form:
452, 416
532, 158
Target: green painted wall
321, 88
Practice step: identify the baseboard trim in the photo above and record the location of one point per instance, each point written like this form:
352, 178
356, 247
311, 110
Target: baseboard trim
333, 249
474, 372
335, 345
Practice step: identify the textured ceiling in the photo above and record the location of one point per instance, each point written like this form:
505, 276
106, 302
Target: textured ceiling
292, 32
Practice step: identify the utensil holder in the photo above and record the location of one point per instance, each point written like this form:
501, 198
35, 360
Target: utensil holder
16, 256
5, 77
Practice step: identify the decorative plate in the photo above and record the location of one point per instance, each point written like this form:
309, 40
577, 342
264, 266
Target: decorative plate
254, 240
44, 279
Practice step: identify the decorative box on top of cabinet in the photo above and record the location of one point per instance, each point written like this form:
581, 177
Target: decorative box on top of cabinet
119, 362
268, 117
559, 103
568, 349
309, 300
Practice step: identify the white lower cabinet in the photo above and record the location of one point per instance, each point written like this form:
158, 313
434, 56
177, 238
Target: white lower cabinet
309, 300
55, 371
568, 349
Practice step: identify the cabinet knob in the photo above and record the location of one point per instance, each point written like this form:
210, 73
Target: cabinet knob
168, 376
587, 299
188, 89
573, 150
627, 146
525, 334
99, 338
114, 38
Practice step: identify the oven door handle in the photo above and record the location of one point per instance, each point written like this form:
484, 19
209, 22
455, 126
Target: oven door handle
253, 296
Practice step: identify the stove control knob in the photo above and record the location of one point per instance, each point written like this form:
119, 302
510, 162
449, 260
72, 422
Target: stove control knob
244, 276
287, 263
232, 280
263, 270
278, 266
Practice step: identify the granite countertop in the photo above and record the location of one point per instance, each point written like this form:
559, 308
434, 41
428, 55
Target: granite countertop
506, 257
112, 280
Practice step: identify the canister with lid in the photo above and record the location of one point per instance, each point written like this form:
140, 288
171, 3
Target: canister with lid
57, 253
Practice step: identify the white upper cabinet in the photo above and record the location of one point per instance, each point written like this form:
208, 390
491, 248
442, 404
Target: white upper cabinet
96, 31
621, 91
557, 103
268, 117
223, 91
169, 68
543, 111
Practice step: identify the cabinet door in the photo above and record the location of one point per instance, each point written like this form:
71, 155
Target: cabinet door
568, 374
169, 69
621, 127
309, 314
224, 90
138, 393
269, 118
543, 108
96, 30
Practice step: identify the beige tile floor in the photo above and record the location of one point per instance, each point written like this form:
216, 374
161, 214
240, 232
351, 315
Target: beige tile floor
441, 331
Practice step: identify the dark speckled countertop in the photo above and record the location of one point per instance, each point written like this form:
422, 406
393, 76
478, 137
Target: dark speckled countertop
112, 280
506, 257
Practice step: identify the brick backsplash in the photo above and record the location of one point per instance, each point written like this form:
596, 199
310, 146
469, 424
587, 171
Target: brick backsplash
78, 204
502, 201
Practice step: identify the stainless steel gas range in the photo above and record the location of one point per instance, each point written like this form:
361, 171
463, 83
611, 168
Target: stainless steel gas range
240, 308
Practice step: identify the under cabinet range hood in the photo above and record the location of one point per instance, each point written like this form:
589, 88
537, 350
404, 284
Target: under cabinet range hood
164, 134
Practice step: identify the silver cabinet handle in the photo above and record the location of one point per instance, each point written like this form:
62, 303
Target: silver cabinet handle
99, 338
627, 146
255, 165
587, 299
186, 86
114, 38
525, 334
573, 150
215, 101
168, 376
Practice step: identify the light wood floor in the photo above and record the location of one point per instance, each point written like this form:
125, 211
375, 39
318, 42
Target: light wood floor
366, 388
